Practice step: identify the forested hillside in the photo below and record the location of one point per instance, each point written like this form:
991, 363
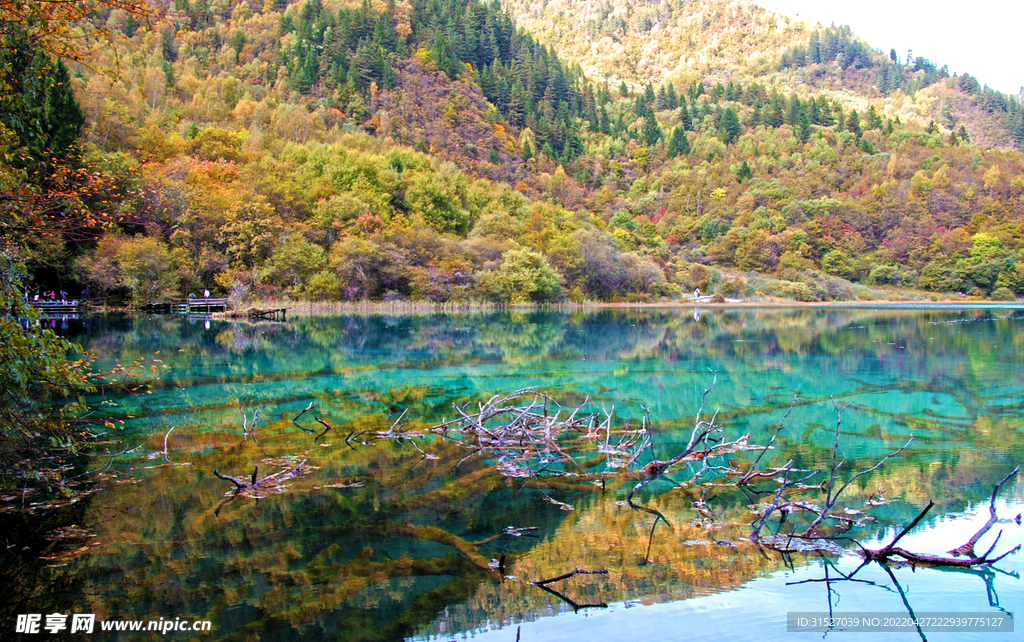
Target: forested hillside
434, 150
656, 41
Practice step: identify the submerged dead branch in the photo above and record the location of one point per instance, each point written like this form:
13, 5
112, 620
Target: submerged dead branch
166, 457
832, 497
576, 606
164, 453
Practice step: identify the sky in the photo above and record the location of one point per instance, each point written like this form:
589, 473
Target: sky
981, 37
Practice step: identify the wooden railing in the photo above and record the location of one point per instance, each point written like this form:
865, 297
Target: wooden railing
56, 307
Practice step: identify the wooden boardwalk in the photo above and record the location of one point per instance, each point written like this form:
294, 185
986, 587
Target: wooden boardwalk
50, 308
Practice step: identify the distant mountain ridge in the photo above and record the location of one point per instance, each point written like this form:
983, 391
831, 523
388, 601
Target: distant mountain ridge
656, 41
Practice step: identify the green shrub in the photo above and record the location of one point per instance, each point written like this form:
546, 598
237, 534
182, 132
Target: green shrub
524, 277
1003, 294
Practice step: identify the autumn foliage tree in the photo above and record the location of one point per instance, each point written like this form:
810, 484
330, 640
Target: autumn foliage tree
48, 194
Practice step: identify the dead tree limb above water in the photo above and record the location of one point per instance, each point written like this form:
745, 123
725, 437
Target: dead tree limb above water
963, 556
576, 607
296, 418
327, 427
250, 430
573, 573
967, 549
259, 487
529, 434
528, 439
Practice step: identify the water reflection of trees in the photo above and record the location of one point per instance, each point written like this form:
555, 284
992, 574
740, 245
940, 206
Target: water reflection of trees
415, 539
365, 559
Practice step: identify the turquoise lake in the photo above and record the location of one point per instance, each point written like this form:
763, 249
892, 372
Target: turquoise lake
391, 531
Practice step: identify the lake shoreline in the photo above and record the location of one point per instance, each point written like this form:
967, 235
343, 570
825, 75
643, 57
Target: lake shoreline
316, 308
406, 307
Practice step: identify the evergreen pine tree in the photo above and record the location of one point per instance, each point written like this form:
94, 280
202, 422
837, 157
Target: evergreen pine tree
814, 50
672, 97
516, 111
853, 123
802, 129
685, 120
652, 131
744, 173
648, 94
755, 117
729, 128
874, 120
385, 35
813, 112
441, 51
824, 113
661, 101
679, 143
776, 111
794, 109
41, 111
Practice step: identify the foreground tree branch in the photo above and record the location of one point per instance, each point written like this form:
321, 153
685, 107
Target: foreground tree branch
890, 550
967, 549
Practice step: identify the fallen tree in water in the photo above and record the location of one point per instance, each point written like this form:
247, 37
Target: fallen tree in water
527, 439
533, 437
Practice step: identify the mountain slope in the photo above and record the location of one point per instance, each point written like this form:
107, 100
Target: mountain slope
655, 41
432, 150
